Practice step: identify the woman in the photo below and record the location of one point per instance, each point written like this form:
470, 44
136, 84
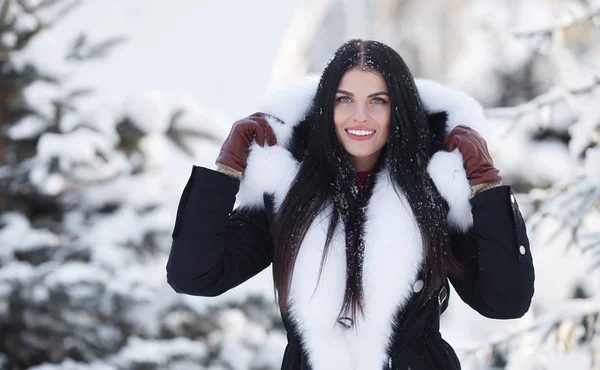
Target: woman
368, 191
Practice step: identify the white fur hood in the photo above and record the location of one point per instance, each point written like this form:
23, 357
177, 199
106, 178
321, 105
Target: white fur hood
291, 106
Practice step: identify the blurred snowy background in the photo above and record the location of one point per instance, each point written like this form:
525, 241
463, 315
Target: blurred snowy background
105, 105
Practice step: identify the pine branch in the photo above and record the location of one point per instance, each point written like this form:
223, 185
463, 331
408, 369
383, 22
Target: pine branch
577, 309
81, 50
570, 205
4, 13
543, 105
547, 99
592, 15
47, 4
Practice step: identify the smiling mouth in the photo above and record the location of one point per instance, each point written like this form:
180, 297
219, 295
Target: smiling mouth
360, 134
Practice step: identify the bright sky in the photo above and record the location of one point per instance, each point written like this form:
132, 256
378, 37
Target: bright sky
221, 52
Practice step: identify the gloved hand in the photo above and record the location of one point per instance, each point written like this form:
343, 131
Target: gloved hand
477, 160
233, 157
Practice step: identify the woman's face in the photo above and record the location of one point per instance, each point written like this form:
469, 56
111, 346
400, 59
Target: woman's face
362, 115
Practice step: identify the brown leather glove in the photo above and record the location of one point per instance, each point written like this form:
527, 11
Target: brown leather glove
477, 160
233, 157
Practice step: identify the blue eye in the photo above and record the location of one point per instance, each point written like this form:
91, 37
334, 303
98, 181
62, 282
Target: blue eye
379, 101
343, 99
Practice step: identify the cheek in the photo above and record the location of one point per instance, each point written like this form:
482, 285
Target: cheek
340, 115
382, 116
385, 132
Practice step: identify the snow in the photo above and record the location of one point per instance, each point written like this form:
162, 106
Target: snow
72, 365
195, 117
547, 161
26, 22
15, 271
139, 352
270, 354
587, 128
81, 156
592, 165
78, 146
44, 47
18, 235
26, 128
126, 190
8, 39
40, 95
72, 273
154, 147
148, 110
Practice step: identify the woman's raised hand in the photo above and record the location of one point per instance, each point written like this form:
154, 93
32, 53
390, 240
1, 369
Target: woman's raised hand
233, 157
477, 159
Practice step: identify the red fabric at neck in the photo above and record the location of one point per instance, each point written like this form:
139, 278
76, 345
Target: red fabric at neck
362, 176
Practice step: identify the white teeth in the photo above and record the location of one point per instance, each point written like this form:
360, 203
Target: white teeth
360, 132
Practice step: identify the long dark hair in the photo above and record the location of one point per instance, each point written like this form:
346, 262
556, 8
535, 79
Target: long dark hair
327, 179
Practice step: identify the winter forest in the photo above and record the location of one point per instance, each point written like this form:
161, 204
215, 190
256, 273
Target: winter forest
91, 172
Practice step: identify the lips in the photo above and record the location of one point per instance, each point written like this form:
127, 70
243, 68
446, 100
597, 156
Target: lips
360, 133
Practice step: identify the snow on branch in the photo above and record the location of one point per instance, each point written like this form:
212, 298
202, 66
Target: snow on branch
576, 310
591, 15
548, 99
568, 110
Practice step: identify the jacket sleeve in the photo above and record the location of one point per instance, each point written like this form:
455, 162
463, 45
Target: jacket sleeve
213, 248
501, 281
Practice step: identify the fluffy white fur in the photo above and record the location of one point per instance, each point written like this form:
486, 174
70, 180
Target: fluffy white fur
289, 105
387, 257
266, 168
269, 170
462, 108
448, 173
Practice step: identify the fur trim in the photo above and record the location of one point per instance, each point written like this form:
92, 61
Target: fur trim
450, 177
291, 105
266, 171
270, 169
462, 108
314, 312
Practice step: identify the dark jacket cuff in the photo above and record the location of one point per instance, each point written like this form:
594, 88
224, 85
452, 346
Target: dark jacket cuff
202, 181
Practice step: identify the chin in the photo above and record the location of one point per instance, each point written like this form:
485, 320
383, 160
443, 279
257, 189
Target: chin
361, 152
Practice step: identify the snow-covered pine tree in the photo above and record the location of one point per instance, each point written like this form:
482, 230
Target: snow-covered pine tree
549, 148
88, 199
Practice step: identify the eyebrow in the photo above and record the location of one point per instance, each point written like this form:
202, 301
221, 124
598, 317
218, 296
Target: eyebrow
370, 96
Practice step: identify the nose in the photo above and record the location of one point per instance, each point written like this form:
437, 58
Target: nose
360, 115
